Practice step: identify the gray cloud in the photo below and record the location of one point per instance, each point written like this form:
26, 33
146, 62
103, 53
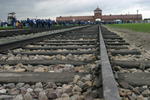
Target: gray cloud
53, 8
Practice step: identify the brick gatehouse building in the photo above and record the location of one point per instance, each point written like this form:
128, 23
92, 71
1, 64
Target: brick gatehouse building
104, 18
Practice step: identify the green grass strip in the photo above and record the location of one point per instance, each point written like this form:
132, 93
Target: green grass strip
138, 27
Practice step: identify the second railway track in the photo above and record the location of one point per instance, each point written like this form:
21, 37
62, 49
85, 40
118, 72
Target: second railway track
73, 65
17, 32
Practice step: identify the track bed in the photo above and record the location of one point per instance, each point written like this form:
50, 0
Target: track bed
58, 67
90, 63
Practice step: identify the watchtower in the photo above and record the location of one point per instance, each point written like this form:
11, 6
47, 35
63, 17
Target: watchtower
98, 14
11, 18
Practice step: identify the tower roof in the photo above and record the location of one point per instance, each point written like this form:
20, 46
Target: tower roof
97, 9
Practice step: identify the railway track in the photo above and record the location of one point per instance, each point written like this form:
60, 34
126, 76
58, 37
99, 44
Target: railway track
71, 65
130, 67
18, 32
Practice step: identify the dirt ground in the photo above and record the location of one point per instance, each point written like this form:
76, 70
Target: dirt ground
137, 40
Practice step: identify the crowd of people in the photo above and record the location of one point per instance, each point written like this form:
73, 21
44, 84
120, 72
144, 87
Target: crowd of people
31, 23
38, 23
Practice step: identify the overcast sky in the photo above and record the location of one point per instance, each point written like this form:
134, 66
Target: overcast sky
53, 8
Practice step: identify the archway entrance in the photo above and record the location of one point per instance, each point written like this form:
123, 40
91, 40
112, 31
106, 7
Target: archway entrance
98, 20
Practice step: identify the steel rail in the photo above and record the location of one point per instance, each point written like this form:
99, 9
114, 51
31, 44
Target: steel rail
110, 89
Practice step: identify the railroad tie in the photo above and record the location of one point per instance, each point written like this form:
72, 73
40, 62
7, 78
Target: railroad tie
45, 62
119, 38
135, 79
59, 47
116, 47
125, 52
69, 41
115, 43
55, 52
131, 64
33, 77
108, 40
45, 43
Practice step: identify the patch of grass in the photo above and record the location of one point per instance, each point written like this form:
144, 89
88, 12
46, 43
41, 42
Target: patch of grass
11, 27
6, 28
138, 27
